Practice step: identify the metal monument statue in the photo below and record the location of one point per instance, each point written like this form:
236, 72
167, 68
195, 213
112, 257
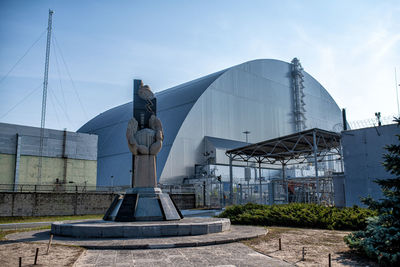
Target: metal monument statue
144, 201
145, 136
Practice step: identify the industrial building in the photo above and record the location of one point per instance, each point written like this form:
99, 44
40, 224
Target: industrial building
363, 151
62, 158
203, 118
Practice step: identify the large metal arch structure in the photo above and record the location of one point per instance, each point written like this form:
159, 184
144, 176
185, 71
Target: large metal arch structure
257, 96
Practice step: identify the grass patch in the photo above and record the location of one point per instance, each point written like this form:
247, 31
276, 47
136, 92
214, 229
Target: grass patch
299, 215
3, 233
26, 219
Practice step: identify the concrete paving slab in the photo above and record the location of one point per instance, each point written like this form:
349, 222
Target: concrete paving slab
233, 254
204, 250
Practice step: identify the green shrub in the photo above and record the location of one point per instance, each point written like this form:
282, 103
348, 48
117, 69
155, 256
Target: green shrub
299, 215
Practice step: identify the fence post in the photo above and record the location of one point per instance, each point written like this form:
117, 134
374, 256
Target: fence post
204, 193
49, 244
329, 260
36, 256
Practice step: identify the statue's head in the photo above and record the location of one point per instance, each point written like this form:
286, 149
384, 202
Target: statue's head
145, 92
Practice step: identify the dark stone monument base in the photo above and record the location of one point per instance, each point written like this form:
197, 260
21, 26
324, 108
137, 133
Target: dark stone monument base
143, 204
101, 228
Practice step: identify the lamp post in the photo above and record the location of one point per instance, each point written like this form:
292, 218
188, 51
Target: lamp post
247, 133
219, 178
378, 118
240, 194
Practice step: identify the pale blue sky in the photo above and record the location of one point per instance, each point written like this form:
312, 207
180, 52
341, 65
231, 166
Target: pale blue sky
350, 47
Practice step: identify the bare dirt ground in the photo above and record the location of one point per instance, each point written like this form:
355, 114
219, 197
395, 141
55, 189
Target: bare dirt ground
317, 243
58, 255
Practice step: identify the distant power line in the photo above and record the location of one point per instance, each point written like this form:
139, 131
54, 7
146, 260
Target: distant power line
21, 101
20, 59
69, 75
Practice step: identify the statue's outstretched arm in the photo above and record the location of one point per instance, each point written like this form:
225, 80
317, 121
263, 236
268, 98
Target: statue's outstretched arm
130, 136
156, 125
134, 147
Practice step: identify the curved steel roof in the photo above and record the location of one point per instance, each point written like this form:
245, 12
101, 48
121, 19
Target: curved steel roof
174, 105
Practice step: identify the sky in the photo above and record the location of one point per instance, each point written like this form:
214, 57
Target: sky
98, 47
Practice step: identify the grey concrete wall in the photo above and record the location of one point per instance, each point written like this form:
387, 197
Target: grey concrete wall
363, 151
48, 204
184, 201
78, 145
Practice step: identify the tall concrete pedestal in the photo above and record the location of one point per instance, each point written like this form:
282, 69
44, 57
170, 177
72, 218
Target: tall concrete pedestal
143, 204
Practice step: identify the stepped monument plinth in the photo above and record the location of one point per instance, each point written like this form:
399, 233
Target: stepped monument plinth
143, 210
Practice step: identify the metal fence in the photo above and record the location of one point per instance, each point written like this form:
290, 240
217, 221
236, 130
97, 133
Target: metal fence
211, 193
302, 190
62, 188
371, 122
177, 189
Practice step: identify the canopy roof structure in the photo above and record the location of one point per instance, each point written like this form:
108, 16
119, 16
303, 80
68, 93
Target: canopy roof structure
313, 145
295, 148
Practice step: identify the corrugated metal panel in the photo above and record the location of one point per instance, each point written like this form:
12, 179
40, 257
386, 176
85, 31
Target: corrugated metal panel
78, 145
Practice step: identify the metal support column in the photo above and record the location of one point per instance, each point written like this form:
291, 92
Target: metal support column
230, 181
259, 177
65, 157
204, 193
17, 161
341, 155
240, 194
315, 148
284, 184
221, 195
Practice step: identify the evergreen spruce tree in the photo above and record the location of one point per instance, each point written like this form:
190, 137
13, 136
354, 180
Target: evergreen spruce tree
381, 238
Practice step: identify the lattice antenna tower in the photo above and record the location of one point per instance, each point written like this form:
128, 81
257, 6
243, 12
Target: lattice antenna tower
44, 98
298, 96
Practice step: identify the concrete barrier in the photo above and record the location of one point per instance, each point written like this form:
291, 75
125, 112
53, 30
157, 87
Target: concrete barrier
63, 203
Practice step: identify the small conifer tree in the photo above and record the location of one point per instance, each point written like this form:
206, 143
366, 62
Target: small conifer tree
381, 238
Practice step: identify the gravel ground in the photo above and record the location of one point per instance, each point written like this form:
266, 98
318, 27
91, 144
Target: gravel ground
317, 243
58, 255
